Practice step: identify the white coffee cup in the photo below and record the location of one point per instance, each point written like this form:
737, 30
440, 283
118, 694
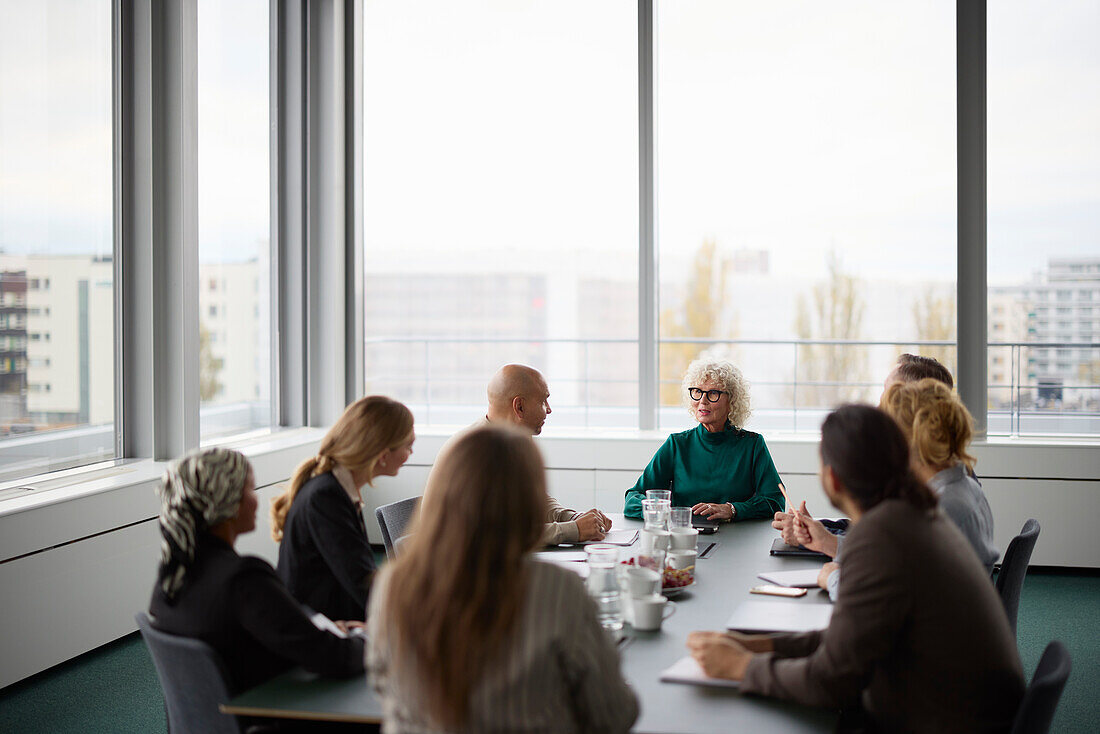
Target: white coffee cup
642, 581
683, 539
654, 539
649, 611
679, 559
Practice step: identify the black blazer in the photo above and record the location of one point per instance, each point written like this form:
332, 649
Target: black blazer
325, 559
238, 606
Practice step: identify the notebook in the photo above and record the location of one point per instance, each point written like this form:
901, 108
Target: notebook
779, 616
804, 579
779, 548
686, 670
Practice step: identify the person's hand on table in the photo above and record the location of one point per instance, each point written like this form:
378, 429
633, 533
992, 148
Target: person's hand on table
826, 571
752, 643
713, 511
719, 655
592, 525
784, 522
351, 626
812, 534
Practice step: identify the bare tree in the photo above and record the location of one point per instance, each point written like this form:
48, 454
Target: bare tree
934, 317
701, 315
827, 374
209, 367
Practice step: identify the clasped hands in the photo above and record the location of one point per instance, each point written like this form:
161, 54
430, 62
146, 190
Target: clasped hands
799, 528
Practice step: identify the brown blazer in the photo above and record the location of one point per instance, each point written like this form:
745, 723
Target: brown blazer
918, 633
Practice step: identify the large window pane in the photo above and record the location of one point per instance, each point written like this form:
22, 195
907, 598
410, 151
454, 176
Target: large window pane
1044, 217
235, 323
807, 196
500, 204
57, 337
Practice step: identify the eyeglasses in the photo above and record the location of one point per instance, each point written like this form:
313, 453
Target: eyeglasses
713, 396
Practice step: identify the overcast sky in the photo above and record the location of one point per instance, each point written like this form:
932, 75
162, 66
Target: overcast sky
502, 132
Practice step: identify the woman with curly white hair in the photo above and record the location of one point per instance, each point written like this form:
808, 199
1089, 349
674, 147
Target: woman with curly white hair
719, 469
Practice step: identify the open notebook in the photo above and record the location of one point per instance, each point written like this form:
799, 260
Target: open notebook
686, 670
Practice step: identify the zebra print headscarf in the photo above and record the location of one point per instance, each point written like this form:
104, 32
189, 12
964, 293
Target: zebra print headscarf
199, 491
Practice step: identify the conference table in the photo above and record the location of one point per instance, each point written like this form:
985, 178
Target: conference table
723, 579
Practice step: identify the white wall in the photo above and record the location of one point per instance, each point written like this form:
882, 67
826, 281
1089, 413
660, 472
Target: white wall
77, 561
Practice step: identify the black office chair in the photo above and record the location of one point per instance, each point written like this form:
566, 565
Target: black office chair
1041, 699
1010, 579
193, 680
393, 519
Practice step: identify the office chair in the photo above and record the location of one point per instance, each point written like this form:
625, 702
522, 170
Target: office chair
1041, 699
193, 680
393, 519
1010, 579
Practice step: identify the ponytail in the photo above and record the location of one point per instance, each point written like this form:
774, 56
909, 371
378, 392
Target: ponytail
935, 422
870, 456
369, 427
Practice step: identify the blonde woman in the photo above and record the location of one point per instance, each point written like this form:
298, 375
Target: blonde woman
325, 558
938, 428
719, 469
468, 632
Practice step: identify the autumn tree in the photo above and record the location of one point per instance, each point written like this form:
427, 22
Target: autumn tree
209, 367
934, 317
702, 315
834, 311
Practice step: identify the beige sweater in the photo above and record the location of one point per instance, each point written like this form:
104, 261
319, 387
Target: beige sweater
560, 527
559, 671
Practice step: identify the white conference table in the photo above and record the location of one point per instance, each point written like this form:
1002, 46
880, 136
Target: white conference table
723, 580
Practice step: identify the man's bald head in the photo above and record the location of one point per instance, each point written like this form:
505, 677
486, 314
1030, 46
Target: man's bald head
518, 394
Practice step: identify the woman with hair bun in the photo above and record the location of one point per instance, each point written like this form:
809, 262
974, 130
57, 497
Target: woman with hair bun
918, 638
324, 555
939, 427
719, 469
236, 604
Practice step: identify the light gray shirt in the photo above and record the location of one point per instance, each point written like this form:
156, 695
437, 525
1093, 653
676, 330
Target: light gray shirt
558, 671
962, 500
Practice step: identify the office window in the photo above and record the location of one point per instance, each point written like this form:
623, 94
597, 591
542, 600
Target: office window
234, 217
807, 194
56, 237
1044, 190
500, 201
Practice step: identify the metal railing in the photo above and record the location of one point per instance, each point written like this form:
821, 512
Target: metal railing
427, 372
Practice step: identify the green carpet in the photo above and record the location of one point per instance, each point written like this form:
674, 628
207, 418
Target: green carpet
114, 688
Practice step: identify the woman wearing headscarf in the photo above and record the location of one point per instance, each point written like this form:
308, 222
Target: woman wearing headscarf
236, 604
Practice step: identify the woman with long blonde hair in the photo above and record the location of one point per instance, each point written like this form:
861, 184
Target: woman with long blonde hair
468, 631
939, 427
325, 558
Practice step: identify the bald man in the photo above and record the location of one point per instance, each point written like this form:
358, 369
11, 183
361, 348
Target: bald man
518, 394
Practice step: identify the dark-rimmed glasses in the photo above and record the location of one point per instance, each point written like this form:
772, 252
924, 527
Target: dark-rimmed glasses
713, 396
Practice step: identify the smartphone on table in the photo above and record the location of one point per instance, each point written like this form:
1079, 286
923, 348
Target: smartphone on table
773, 590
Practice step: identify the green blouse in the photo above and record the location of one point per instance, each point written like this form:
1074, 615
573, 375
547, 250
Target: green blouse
700, 466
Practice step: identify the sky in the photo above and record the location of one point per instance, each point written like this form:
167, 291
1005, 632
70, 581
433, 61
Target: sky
502, 134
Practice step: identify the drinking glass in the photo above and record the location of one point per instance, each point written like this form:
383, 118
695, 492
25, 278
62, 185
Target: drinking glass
659, 494
679, 517
603, 585
655, 513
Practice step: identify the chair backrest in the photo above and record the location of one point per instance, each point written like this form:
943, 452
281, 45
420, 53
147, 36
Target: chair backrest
1036, 711
1010, 579
393, 519
193, 680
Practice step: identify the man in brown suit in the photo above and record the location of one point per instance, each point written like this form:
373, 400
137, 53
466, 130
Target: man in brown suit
918, 636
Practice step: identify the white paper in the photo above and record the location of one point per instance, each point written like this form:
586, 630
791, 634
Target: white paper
325, 624
795, 615
686, 670
562, 556
804, 579
616, 537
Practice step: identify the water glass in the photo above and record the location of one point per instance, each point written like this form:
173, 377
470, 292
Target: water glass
679, 517
655, 513
603, 585
659, 494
